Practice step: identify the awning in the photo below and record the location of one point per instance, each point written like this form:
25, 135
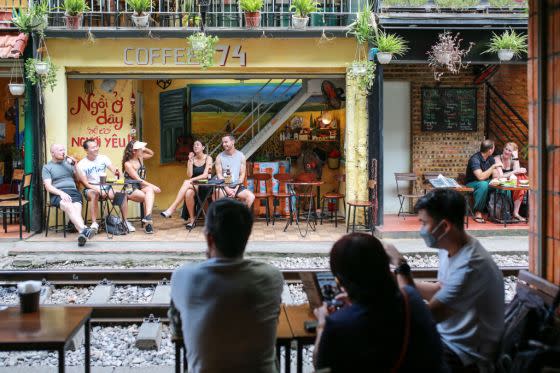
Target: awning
12, 46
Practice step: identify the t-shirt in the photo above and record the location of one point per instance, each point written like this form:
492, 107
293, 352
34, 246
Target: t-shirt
476, 162
92, 169
61, 174
473, 287
229, 313
358, 337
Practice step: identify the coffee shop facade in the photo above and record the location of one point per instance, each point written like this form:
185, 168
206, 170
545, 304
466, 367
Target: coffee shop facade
121, 95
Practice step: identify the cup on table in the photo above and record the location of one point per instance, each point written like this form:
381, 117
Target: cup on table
29, 292
102, 178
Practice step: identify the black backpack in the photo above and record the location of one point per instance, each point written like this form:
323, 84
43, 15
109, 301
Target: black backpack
115, 226
499, 207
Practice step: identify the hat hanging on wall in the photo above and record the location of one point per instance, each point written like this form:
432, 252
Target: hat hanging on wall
108, 85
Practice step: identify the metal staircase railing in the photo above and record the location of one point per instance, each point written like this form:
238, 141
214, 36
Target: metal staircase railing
503, 122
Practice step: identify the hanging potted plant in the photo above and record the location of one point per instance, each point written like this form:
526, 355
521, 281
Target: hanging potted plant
507, 45
301, 9
43, 79
447, 55
16, 88
73, 13
364, 30
203, 48
141, 11
389, 45
252, 9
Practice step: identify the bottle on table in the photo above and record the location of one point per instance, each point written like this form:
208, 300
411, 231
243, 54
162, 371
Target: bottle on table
227, 177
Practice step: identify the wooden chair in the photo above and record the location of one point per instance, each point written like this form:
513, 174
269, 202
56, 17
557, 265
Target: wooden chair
17, 178
410, 179
333, 197
21, 205
57, 211
282, 193
266, 178
369, 208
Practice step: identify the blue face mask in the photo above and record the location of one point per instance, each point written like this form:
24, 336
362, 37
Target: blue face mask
429, 237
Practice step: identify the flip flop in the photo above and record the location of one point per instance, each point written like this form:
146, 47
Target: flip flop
480, 220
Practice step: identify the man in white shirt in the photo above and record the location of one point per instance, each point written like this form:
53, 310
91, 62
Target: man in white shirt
90, 168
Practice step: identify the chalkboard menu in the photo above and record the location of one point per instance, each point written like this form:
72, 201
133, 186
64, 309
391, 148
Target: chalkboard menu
448, 109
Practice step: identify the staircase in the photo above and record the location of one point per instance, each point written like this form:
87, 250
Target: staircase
504, 123
256, 133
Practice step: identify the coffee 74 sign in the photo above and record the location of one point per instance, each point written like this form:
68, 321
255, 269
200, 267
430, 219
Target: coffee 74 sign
226, 54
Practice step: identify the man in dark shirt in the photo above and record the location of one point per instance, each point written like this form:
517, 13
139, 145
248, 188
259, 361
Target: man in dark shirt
479, 171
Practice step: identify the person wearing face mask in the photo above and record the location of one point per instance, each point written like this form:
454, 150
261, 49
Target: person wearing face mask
467, 301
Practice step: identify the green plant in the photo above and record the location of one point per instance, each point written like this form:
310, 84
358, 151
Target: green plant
139, 6
364, 80
509, 39
390, 43
303, 7
204, 55
364, 27
411, 3
34, 19
250, 6
507, 4
74, 7
456, 4
47, 80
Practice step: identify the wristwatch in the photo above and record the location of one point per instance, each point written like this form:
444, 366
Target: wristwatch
403, 269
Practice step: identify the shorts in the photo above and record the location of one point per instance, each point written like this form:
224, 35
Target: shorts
105, 188
73, 193
240, 189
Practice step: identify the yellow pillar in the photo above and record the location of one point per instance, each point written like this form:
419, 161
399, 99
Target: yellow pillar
356, 144
56, 112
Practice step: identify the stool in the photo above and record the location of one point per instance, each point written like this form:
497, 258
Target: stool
333, 197
56, 229
368, 216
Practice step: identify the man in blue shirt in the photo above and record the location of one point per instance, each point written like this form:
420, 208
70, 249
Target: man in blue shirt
467, 301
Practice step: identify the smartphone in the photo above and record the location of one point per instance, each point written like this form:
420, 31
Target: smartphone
329, 288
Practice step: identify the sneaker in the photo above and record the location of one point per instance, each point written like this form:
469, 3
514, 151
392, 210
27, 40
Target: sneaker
94, 227
130, 227
149, 229
166, 214
86, 234
147, 219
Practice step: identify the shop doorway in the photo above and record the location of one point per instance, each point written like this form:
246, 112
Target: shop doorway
396, 139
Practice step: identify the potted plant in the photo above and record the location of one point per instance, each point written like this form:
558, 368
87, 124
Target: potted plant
252, 9
34, 19
191, 18
203, 48
141, 11
16, 89
73, 12
302, 9
47, 79
333, 159
389, 45
364, 30
507, 45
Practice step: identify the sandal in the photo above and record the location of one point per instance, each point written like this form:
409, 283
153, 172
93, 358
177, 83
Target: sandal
166, 214
521, 219
479, 220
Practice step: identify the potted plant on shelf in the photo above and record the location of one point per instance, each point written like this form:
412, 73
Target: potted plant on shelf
35, 76
141, 11
73, 13
333, 159
203, 48
507, 45
389, 45
252, 9
301, 9
191, 18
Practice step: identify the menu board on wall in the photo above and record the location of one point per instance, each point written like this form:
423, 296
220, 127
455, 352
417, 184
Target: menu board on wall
449, 109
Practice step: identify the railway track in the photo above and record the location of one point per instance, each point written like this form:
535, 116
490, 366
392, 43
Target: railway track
122, 313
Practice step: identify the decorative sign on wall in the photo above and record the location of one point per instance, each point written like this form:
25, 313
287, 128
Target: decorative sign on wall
449, 109
100, 115
227, 55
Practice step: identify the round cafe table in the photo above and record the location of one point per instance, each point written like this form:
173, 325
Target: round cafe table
504, 197
300, 191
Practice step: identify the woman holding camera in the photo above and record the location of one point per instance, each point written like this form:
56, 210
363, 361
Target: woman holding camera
380, 326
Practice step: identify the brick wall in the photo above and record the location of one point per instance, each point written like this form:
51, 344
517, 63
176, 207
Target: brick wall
544, 157
446, 152
511, 83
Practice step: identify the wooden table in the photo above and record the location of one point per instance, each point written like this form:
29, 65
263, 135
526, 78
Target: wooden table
503, 197
305, 191
49, 329
284, 338
297, 315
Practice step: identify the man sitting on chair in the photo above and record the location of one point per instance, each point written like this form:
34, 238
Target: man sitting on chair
58, 177
91, 167
233, 160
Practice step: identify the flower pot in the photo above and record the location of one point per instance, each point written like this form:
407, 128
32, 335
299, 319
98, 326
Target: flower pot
443, 58
73, 22
252, 19
384, 57
41, 68
505, 54
198, 45
299, 23
333, 163
142, 20
358, 68
17, 89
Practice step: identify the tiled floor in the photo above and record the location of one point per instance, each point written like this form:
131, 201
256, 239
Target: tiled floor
393, 223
